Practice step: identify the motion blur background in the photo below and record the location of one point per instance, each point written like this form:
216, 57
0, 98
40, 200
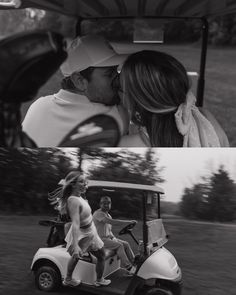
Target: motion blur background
198, 208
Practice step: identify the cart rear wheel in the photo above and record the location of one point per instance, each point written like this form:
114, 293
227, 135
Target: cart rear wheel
47, 278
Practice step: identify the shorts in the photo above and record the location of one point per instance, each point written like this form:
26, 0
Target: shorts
88, 240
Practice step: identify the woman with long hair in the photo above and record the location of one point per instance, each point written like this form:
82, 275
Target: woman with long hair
155, 88
82, 235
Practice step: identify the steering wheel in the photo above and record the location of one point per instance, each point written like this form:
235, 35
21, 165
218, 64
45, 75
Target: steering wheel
128, 228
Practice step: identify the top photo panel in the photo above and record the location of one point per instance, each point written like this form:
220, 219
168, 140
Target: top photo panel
117, 73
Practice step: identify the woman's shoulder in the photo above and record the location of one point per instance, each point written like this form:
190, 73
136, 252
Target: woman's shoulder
224, 142
73, 200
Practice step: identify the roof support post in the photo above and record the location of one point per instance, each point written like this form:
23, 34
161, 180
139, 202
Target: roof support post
201, 80
159, 205
145, 233
78, 29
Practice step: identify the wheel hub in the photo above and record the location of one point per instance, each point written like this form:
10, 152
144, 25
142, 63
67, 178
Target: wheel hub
45, 280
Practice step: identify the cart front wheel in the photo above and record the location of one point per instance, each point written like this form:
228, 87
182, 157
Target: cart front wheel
47, 278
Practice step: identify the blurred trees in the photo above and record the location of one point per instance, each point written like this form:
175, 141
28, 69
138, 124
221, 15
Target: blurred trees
27, 175
179, 31
194, 202
123, 166
222, 197
127, 166
222, 30
214, 199
113, 30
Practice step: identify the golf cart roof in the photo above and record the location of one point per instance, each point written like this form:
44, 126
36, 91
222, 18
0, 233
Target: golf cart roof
131, 8
123, 185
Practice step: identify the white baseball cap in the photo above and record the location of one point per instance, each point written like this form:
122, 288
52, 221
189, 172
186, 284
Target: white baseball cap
90, 51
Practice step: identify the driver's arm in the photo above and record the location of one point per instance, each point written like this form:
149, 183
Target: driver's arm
112, 221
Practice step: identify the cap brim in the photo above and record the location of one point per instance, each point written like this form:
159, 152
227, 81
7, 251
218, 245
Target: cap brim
115, 60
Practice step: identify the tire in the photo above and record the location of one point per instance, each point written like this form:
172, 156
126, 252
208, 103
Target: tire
47, 278
158, 291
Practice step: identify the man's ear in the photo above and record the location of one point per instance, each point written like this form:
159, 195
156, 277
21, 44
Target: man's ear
79, 81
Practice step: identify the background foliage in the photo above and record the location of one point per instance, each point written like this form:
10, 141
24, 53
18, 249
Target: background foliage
28, 175
213, 199
125, 166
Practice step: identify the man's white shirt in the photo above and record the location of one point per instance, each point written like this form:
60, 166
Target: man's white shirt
49, 119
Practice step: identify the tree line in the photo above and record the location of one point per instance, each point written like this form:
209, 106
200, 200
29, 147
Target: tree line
213, 199
27, 176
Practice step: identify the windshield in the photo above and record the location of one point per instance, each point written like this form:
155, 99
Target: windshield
152, 206
125, 204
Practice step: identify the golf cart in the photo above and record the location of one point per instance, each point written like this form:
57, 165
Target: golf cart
93, 10
156, 270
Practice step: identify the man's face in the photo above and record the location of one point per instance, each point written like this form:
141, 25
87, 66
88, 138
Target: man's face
100, 87
105, 205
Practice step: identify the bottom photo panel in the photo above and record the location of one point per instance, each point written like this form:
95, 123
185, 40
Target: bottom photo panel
116, 221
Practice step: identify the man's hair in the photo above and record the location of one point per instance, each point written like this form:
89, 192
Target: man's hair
105, 198
67, 83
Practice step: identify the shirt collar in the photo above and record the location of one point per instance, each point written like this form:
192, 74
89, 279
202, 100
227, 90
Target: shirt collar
70, 97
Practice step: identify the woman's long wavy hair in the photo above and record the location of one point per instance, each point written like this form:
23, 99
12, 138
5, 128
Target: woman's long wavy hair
58, 198
156, 84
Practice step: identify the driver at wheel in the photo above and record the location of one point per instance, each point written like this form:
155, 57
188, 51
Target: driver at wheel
103, 222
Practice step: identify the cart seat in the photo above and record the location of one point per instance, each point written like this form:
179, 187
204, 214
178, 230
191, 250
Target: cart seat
89, 257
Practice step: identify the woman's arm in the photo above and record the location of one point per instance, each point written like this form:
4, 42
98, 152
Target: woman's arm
73, 208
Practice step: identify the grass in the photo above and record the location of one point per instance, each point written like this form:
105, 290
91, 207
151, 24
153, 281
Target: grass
205, 252
220, 89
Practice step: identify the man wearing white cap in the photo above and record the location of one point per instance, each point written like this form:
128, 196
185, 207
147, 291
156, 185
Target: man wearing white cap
89, 72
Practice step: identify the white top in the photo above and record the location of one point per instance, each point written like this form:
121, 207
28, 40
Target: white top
92, 240
49, 119
85, 213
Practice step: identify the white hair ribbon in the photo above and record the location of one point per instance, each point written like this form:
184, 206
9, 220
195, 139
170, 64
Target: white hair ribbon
62, 182
195, 128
